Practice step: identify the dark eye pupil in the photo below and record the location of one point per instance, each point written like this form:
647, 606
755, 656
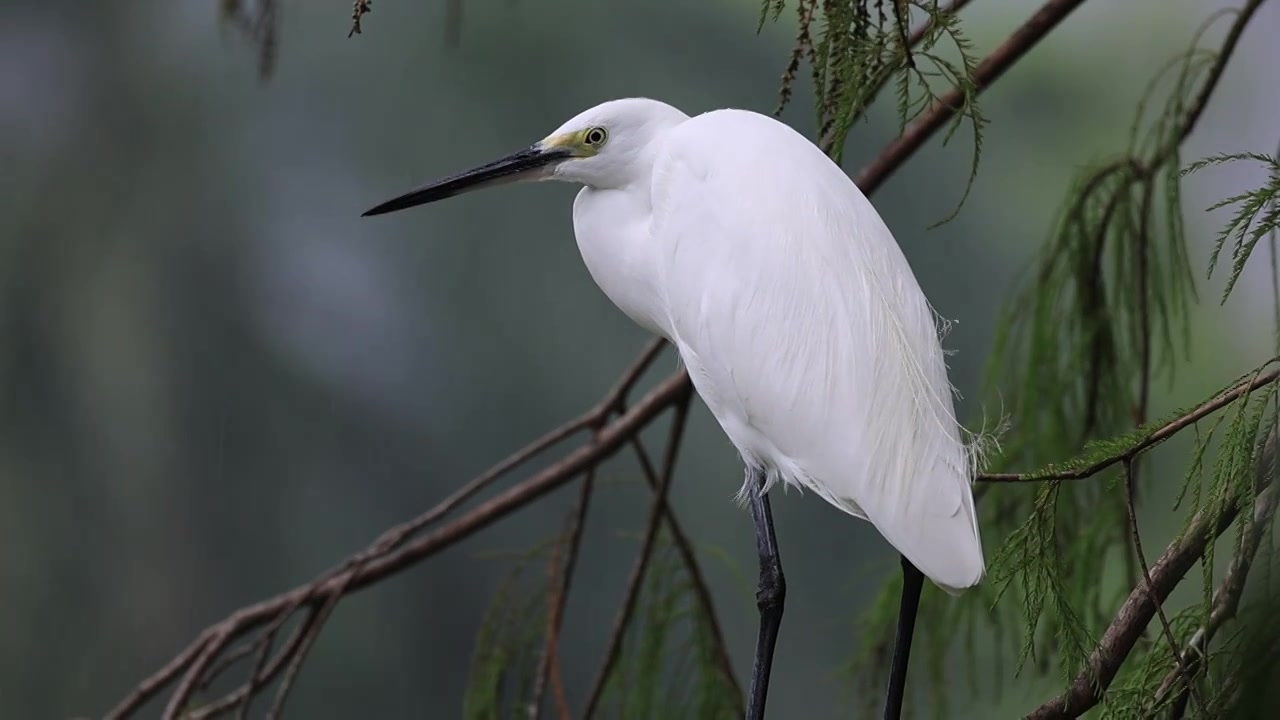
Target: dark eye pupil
595, 137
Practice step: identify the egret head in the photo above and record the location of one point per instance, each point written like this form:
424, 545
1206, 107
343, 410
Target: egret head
608, 146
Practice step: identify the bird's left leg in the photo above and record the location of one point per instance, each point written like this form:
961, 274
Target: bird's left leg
912, 583
770, 594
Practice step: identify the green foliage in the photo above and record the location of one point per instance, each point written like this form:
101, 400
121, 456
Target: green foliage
856, 49
508, 647
1102, 315
1256, 213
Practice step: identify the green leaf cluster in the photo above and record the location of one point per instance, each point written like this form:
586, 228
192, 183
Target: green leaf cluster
856, 49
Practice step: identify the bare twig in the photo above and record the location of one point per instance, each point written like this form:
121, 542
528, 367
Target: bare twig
210, 647
242, 696
359, 9
636, 580
312, 625
1215, 74
401, 547
1259, 380
259, 664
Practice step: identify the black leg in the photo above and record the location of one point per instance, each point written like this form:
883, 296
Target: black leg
912, 581
770, 594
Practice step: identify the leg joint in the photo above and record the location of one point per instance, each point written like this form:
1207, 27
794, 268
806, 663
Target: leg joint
772, 591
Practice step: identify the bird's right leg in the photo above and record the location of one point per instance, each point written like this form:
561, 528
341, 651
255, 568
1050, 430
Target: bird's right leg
912, 583
770, 594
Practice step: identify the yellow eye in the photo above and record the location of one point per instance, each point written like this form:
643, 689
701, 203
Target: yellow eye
596, 136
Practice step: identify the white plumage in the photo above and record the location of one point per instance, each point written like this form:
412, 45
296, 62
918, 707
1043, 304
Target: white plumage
796, 314
799, 319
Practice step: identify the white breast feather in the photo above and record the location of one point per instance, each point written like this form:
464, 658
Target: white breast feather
806, 334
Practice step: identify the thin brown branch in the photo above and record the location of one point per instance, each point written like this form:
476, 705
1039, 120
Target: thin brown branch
1139, 608
594, 418
312, 625
1188, 675
696, 578
987, 72
215, 643
1164, 432
615, 399
228, 660
1192, 118
562, 577
636, 580
359, 9
255, 678
558, 688
242, 696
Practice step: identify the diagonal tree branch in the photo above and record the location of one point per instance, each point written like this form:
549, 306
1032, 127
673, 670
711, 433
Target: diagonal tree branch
1157, 436
1139, 608
1226, 599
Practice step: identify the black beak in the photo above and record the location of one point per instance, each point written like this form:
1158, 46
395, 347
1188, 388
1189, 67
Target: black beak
523, 165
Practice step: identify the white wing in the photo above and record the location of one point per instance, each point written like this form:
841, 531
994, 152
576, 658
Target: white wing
806, 334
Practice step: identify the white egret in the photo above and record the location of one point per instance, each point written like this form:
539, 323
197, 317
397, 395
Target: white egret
798, 317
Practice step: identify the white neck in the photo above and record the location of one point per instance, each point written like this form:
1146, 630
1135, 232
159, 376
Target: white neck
612, 229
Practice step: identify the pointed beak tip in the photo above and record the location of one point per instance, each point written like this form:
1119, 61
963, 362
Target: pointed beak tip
382, 209
524, 164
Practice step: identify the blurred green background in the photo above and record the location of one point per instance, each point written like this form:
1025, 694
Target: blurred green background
218, 380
